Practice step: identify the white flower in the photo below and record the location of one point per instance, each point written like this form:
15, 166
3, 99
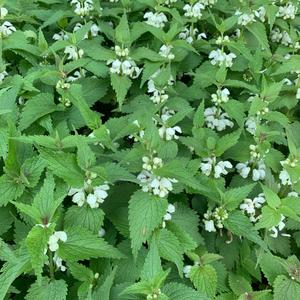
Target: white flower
126, 67
293, 194
101, 232
3, 74
165, 51
250, 206
220, 168
286, 39
216, 119
190, 34
83, 8
243, 169
220, 58
61, 36
7, 29
207, 165
156, 19
279, 227
73, 52
285, 178
78, 196
168, 216
169, 133
245, 19
98, 196
95, 30
76, 75
186, 271
260, 13
221, 96
260, 172
121, 52
298, 94
276, 35
288, 11
251, 125
193, 11
55, 238
58, 261
209, 225
3, 12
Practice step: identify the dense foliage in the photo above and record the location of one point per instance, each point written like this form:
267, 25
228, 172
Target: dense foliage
149, 149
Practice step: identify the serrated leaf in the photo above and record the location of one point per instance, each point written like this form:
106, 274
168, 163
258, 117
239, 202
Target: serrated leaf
10, 189
123, 32
204, 279
286, 288
145, 214
271, 197
239, 284
226, 142
83, 244
121, 85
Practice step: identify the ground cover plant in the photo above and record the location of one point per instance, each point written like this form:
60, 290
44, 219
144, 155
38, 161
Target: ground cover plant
149, 149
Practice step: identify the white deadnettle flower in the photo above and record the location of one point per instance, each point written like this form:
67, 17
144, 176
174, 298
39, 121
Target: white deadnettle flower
293, 194
150, 164
169, 133
221, 96
121, 52
73, 53
61, 36
156, 19
76, 75
279, 227
275, 35
285, 178
258, 173
220, 58
6, 29
83, 8
251, 125
215, 118
209, 165
186, 271
3, 74
92, 197
55, 238
286, 39
250, 206
166, 52
101, 232
169, 2
260, 13
126, 67
140, 134
222, 39
168, 216
215, 219
59, 263
288, 11
245, 19
94, 29
191, 34
3, 12
194, 10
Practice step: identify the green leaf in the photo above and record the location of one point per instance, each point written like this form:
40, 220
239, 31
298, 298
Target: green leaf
64, 165
272, 198
10, 189
121, 85
169, 248
86, 217
269, 218
85, 156
48, 290
36, 242
152, 265
226, 142
179, 291
82, 244
145, 214
285, 288
35, 108
198, 120
239, 284
240, 225
103, 292
204, 279
259, 31
123, 32
32, 170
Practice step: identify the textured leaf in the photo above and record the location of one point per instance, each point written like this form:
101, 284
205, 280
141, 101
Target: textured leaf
285, 288
121, 85
10, 190
145, 214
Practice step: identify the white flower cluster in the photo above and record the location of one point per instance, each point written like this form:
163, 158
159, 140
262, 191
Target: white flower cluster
190, 34
160, 186
247, 18
76, 75
61, 36
215, 118
193, 10
6, 28
256, 164
215, 219
141, 132
94, 30
93, 196
222, 40
288, 11
154, 295
168, 216
209, 165
169, 2
53, 247
279, 227
284, 175
83, 7
73, 52
219, 57
155, 19
165, 131
282, 37
221, 96
123, 64
165, 51
251, 124
159, 94
250, 206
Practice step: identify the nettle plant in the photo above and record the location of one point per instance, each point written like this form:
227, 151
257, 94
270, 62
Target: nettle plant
150, 149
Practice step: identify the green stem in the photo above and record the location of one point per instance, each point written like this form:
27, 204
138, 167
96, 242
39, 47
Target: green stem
51, 265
